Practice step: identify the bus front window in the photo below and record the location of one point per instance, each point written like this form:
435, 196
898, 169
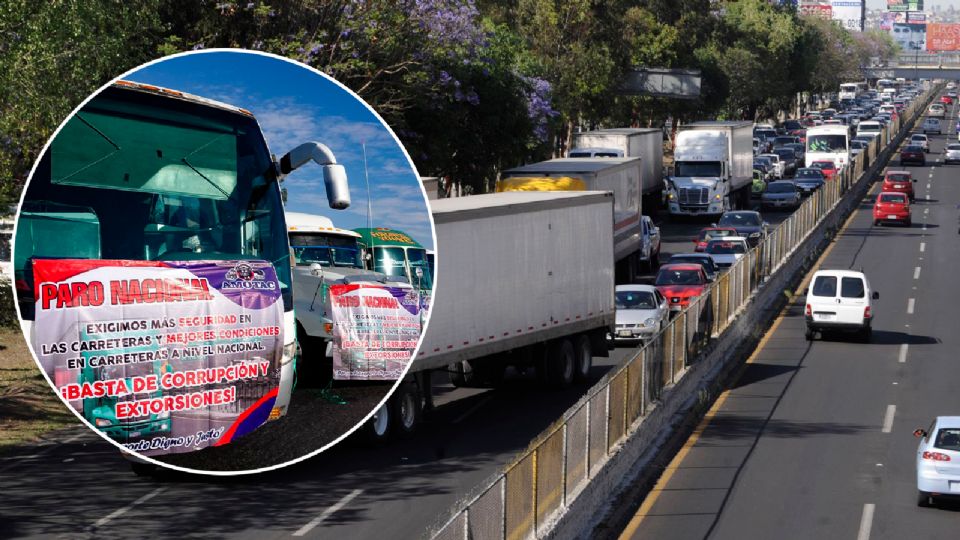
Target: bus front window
390, 261
418, 259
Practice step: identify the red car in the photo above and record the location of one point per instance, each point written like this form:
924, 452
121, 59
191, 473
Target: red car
946, 100
913, 154
891, 208
829, 169
898, 182
709, 233
681, 283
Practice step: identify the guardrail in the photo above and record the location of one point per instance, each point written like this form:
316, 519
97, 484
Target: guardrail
520, 502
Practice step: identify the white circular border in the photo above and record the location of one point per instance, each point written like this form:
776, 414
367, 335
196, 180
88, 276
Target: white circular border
359, 424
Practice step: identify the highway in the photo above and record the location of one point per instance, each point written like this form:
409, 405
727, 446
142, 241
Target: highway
352, 490
814, 440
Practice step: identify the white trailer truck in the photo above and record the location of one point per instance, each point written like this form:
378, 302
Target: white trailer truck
713, 169
620, 176
644, 143
540, 273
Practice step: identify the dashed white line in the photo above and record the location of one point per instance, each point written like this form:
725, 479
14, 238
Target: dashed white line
903, 354
866, 522
328, 512
117, 513
923, 247
926, 210
916, 273
910, 304
888, 418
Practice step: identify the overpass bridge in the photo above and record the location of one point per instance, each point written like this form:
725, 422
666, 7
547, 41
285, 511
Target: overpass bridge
920, 65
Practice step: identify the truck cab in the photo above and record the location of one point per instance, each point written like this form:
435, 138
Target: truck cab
712, 168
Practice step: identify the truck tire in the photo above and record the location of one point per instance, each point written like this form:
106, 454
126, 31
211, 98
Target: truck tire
584, 354
461, 374
407, 408
561, 363
377, 429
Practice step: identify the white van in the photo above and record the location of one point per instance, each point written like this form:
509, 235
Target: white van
932, 125
839, 300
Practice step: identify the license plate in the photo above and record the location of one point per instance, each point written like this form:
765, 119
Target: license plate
824, 316
625, 333
891, 216
899, 186
954, 486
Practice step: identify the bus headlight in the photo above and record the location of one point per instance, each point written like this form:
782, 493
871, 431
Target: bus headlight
289, 351
103, 422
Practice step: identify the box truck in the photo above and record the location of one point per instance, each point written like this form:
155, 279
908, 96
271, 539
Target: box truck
539, 269
713, 169
620, 176
644, 143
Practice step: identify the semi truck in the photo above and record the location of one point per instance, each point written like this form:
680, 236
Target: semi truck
540, 270
620, 176
713, 169
643, 143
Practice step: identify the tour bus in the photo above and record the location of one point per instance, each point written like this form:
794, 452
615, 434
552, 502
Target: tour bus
852, 91
152, 178
395, 253
828, 142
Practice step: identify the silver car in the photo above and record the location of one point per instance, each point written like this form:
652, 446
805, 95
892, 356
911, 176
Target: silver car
783, 194
938, 454
641, 312
727, 250
952, 153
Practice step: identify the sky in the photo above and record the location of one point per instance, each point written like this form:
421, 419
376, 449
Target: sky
294, 105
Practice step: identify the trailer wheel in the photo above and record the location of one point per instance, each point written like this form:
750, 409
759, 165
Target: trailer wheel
561, 363
406, 409
584, 354
377, 429
461, 374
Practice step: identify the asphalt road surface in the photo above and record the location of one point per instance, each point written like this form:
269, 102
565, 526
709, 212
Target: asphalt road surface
814, 440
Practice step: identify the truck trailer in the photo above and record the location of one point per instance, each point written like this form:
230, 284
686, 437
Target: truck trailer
713, 169
643, 143
620, 176
538, 269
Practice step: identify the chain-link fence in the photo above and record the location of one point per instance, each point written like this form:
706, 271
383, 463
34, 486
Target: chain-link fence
520, 502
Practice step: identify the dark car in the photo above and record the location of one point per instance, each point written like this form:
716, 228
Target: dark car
800, 149
784, 140
913, 154
703, 259
792, 125
789, 159
808, 180
764, 164
748, 224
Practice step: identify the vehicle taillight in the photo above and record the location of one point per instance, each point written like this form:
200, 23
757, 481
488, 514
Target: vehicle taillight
809, 311
936, 456
866, 312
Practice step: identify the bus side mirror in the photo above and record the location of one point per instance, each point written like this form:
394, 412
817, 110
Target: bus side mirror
334, 174
316, 270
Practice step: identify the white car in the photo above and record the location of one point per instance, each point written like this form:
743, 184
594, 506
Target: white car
726, 250
839, 300
952, 153
919, 139
777, 164
641, 312
938, 459
931, 125
936, 110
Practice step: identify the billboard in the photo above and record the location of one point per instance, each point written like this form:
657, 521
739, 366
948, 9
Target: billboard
163, 357
815, 8
905, 5
943, 37
848, 13
910, 36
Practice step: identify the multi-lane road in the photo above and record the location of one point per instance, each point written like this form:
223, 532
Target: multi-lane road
814, 440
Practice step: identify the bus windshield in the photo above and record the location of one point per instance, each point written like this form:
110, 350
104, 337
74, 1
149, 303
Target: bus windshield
827, 143
418, 259
138, 176
325, 249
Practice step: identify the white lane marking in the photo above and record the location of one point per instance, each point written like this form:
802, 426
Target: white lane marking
923, 247
910, 305
916, 273
472, 410
924, 226
926, 210
903, 354
866, 522
328, 512
117, 513
888, 418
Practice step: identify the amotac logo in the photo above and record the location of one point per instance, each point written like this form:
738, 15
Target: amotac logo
243, 275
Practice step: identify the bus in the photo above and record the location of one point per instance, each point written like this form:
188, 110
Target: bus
395, 253
828, 143
146, 183
852, 91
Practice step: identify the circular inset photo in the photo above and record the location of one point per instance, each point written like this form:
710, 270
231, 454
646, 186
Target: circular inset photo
222, 263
